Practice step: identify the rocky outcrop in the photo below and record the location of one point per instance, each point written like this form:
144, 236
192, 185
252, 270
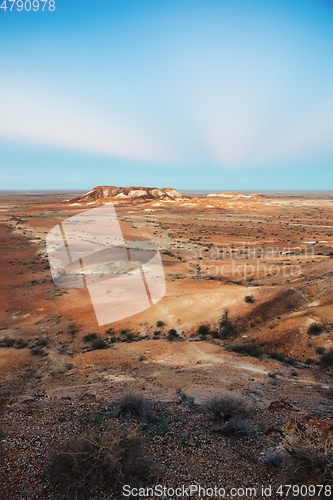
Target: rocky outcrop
129, 193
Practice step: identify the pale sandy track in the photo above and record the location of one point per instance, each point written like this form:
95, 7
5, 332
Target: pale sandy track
240, 364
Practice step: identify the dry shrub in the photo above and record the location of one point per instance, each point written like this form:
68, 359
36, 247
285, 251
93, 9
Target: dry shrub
226, 327
309, 458
88, 464
238, 427
184, 398
225, 407
134, 405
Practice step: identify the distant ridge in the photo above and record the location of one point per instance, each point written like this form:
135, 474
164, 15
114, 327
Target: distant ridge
129, 193
238, 196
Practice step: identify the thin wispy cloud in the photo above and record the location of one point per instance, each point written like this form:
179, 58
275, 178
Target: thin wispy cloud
38, 118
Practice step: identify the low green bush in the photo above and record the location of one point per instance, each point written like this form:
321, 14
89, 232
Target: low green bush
203, 330
327, 359
315, 329
98, 344
172, 334
248, 349
89, 337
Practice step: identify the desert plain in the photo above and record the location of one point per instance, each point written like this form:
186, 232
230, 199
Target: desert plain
247, 314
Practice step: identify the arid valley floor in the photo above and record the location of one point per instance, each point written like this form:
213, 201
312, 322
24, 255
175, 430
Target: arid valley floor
265, 264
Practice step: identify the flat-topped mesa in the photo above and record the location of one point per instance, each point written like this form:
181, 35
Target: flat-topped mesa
238, 196
129, 193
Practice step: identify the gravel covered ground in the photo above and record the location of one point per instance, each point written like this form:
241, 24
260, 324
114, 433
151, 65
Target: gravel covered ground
183, 443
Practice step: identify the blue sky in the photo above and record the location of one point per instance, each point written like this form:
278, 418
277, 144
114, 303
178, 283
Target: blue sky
193, 94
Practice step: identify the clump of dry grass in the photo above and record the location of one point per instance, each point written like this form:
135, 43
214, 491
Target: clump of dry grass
134, 405
225, 406
87, 464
